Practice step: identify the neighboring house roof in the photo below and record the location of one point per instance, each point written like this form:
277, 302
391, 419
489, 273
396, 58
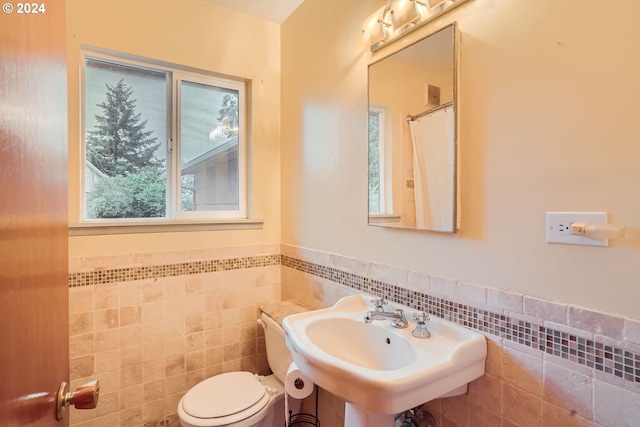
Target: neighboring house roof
189, 167
224, 148
92, 176
91, 168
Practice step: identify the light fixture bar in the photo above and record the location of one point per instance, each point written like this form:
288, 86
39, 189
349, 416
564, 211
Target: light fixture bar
400, 17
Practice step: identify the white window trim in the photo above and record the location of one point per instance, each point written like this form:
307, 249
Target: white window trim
162, 226
178, 221
179, 76
386, 200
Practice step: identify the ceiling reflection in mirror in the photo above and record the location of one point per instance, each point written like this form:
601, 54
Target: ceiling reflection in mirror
412, 136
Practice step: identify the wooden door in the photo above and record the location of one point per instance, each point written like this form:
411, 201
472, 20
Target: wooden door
34, 343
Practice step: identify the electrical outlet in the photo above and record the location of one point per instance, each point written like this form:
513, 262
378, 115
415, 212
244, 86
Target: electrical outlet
559, 227
564, 228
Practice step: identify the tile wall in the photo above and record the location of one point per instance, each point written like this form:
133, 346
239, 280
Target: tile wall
548, 364
150, 326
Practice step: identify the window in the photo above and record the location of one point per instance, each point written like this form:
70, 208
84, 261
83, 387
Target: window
160, 142
376, 161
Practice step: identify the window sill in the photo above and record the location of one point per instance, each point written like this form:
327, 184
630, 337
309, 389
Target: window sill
383, 218
160, 226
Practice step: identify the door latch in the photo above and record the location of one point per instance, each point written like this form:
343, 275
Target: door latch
85, 397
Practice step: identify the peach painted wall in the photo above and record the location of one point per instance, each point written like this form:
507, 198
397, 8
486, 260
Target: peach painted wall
548, 106
196, 34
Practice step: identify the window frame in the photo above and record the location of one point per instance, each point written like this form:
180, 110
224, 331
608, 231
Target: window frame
383, 118
178, 213
174, 216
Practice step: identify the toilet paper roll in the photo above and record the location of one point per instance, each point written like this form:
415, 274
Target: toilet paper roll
296, 384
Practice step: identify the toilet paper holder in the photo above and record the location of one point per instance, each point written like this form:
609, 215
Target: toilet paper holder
299, 386
304, 418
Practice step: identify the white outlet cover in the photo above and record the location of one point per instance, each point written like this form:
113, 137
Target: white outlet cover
558, 221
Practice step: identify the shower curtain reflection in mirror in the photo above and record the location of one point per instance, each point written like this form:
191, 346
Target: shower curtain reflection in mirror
432, 137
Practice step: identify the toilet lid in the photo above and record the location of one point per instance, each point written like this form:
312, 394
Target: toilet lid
224, 395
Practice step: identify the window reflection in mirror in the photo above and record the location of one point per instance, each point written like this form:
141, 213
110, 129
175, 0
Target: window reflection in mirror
412, 136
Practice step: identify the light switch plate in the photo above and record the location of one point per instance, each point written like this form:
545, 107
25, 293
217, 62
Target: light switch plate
559, 227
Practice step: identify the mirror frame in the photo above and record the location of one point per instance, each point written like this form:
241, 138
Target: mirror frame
455, 220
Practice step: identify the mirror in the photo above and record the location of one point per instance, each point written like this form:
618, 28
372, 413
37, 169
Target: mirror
413, 136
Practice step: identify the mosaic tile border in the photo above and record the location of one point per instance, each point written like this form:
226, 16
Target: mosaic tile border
587, 352
101, 277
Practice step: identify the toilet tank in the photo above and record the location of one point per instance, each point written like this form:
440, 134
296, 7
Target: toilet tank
278, 355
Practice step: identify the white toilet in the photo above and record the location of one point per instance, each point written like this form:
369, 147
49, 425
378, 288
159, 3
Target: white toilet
243, 399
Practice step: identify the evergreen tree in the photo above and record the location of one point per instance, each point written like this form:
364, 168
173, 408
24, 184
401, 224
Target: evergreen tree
228, 115
119, 145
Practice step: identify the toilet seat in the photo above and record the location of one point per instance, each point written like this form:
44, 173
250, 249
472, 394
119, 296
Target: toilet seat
226, 398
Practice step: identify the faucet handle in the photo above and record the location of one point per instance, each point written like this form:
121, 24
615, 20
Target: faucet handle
421, 331
421, 317
379, 302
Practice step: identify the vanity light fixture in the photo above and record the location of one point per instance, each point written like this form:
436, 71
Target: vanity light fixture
401, 16
405, 12
435, 3
375, 29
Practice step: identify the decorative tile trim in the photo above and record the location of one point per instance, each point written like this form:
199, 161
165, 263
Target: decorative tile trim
588, 352
101, 277
584, 351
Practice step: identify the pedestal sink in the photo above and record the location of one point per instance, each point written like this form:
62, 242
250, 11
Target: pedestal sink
377, 369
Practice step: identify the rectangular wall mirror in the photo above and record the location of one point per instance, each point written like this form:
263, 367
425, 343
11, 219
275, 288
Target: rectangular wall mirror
413, 136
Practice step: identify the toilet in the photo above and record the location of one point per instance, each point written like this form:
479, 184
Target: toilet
243, 399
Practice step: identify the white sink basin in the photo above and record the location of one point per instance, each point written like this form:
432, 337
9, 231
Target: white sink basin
377, 367
364, 345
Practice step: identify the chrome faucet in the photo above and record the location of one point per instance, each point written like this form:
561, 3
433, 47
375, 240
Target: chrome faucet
380, 302
421, 331
400, 322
